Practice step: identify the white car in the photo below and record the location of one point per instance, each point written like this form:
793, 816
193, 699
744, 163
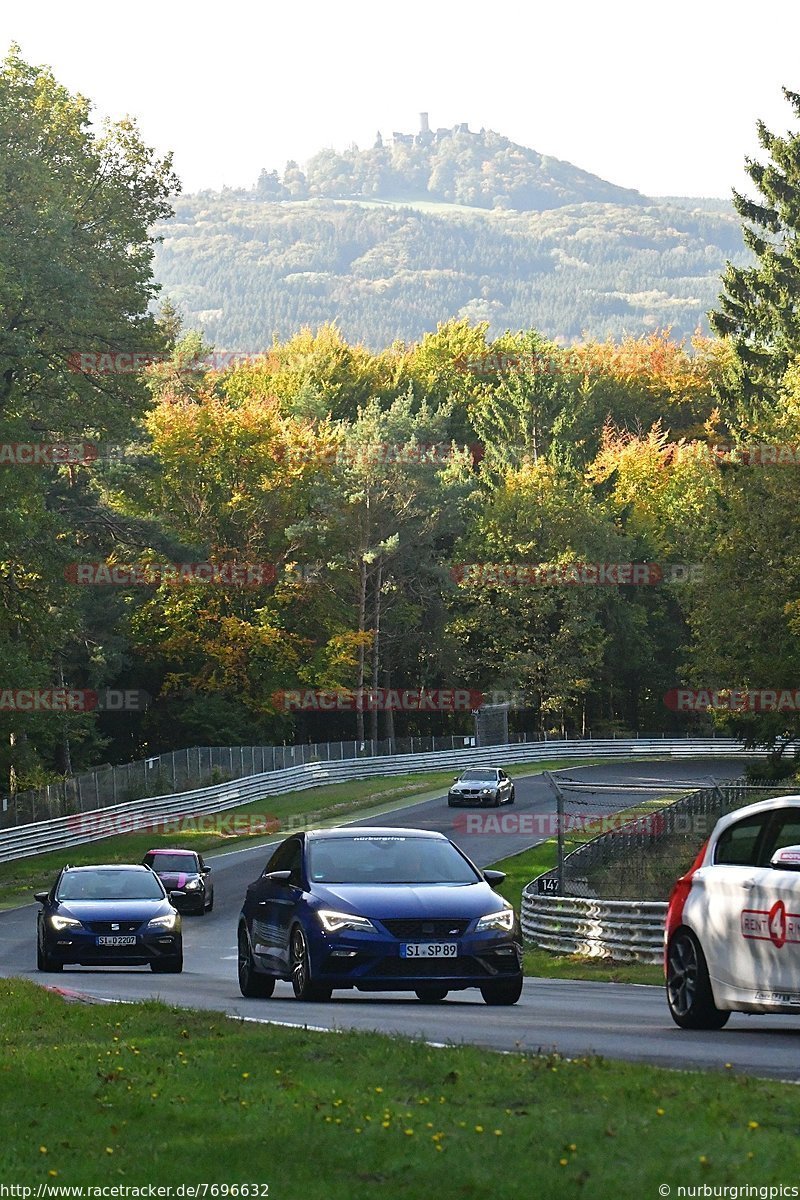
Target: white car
732, 937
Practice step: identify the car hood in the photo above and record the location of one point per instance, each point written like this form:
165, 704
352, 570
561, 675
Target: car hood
410, 900
113, 910
176, 879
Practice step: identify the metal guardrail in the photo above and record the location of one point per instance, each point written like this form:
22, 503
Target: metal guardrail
59, 833
625, 930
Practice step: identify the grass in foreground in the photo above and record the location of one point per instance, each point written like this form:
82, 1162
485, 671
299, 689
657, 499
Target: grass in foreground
146, 1094
238, 826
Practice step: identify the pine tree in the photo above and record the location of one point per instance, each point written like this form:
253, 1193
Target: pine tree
759, 310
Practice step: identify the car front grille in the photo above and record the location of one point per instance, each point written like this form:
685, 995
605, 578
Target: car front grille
112, 926
425, 931
427, 968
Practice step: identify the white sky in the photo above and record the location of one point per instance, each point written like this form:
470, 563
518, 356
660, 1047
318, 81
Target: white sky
660, 97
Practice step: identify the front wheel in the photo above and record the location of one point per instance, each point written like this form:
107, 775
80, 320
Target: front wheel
44, 962
302, 985
689, 995
513, 796
505, 991
167, 966
251, 983
430, 995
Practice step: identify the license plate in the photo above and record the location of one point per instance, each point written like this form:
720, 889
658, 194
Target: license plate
429, 950
116, 940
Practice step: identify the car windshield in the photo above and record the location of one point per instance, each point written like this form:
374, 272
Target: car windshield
109, 885
184, 863
479, 776
388, 859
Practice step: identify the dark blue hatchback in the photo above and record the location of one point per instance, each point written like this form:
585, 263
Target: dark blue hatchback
380, 910
108, 916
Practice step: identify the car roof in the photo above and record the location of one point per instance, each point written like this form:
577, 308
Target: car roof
479, 768
374, 831
109, 867
164, 850
773, 803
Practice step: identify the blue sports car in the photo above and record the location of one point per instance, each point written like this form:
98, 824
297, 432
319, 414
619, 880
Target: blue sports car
111, 916
380, 910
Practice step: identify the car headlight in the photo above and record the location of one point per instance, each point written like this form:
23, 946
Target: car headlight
169, 921
335, 922
61, 923
487, 791
503, 920
193, 885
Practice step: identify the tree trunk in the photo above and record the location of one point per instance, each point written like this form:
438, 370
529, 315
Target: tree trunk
362, 618
376, 653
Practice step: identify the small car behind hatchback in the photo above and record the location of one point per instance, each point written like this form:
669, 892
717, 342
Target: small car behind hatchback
108, 916
732, 937
380, 910
184, 871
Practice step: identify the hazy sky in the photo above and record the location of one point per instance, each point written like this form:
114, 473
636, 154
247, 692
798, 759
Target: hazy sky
661, 97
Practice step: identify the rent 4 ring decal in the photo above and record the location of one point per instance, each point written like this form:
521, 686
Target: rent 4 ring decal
776, 925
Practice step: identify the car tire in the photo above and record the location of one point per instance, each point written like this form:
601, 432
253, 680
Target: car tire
450, 803
44, 962
689, 996
430, 995
513, 796
201, 912
502, 991
497, 800
167, 966
303, 986
210, 907
251, 984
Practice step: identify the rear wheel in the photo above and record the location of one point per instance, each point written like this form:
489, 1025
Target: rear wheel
430, 995
502, 991
689, 995
251, 984
302, 985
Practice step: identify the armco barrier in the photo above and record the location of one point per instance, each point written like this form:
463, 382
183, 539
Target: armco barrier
22, 841
627, 930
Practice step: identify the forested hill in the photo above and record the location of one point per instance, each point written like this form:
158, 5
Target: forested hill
454, 166
388, 242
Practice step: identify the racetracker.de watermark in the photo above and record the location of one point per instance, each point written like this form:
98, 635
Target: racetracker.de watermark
224, 574
382, 454
47, 454
72, 700
754, 700
575, 574
378, 700
128, 362
549, 825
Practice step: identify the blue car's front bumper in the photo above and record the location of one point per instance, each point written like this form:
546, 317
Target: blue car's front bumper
373, 961
79, 948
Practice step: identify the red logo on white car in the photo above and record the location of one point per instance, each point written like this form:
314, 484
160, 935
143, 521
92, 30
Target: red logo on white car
776, 925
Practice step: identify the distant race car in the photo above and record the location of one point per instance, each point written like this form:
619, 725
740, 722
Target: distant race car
732, 937
481, 786
108, 916
186, 871
380, 910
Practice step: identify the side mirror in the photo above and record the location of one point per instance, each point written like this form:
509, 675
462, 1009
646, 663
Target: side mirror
494, 877
205, 870
177, 893
786, 859
41, 897
277, 876
455, 779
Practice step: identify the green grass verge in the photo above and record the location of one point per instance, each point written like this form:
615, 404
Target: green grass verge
522, 868
219, 831
145, 1094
